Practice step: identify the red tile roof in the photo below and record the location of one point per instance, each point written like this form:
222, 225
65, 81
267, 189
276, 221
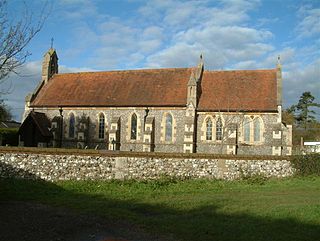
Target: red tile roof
221, 90
156, 87
239, 90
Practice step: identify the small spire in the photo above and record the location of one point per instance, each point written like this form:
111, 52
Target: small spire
52, 42
278, 61
201, 58
201, 61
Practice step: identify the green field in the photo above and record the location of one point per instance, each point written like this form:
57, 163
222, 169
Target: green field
286, 209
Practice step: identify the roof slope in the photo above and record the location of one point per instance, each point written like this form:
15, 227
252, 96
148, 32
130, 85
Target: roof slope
41, 121
9, 124
156, 87
240, 90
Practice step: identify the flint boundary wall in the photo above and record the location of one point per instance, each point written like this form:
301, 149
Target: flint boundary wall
66, 164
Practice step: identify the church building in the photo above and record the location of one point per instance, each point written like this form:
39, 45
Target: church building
182, 110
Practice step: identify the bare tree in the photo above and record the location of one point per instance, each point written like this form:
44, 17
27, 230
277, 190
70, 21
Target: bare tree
15, 36
231, 117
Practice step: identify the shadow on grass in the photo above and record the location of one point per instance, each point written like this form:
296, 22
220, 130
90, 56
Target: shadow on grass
203, 223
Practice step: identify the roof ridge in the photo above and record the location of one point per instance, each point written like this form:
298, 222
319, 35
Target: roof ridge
130, 70
241, 70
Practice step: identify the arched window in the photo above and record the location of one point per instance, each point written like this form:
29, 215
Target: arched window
256, 130
168, 136
71, 125
101, 126
246, 129
219, 129
208, 129
133, 126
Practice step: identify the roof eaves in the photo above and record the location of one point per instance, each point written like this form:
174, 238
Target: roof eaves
237, 111
107, 106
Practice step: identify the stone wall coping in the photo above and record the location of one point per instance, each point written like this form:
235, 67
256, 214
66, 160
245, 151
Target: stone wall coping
91, 152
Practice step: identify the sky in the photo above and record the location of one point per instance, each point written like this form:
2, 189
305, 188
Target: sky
95, 35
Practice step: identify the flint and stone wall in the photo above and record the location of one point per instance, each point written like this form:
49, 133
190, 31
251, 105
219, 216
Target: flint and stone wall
92, 140
270, 124
102, 167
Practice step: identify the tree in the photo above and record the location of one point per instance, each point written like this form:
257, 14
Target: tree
305, 114
15, 36
5, 113
301, 115
288, 117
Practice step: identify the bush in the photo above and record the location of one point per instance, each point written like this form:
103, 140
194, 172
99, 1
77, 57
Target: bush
307, 164
9, 136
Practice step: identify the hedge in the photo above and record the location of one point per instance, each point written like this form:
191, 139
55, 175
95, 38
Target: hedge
307, 164
9, 136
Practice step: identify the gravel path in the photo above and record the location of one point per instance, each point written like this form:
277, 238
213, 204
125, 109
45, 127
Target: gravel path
28, 221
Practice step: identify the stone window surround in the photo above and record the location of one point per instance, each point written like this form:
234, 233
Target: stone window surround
67, 134
163, 128
257, 130
128, 135
168, 128
134, 127
213, 118
251, 141
219, 119
98, 126
209, 124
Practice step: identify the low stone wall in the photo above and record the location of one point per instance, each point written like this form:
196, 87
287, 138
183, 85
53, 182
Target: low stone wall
103, 167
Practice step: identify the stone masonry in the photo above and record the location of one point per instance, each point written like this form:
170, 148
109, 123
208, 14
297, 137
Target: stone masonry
178, 102
52, 167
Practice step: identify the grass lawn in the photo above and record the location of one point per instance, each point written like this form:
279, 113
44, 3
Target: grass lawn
201, 210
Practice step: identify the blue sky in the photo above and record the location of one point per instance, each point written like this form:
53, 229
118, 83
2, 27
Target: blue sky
231, 34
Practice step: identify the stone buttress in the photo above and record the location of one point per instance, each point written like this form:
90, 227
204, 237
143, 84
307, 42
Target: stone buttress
193, 95
148, 135
114, 134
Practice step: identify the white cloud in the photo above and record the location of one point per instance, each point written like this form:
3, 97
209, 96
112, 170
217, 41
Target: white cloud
214, 31
153, 32
179, 55
184, 14
287, 59
298, 80
220, 45
26, 83
66, 69
76, 9
168, 33
310, 22
22, 85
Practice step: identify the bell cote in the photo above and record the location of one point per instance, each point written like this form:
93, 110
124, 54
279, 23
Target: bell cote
49, 65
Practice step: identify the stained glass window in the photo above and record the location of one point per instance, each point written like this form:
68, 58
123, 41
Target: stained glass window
71, 125
209, 129
134, 127
168, 127
219, 129
101, 126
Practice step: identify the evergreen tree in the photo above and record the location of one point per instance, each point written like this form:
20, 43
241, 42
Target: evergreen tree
305, 113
